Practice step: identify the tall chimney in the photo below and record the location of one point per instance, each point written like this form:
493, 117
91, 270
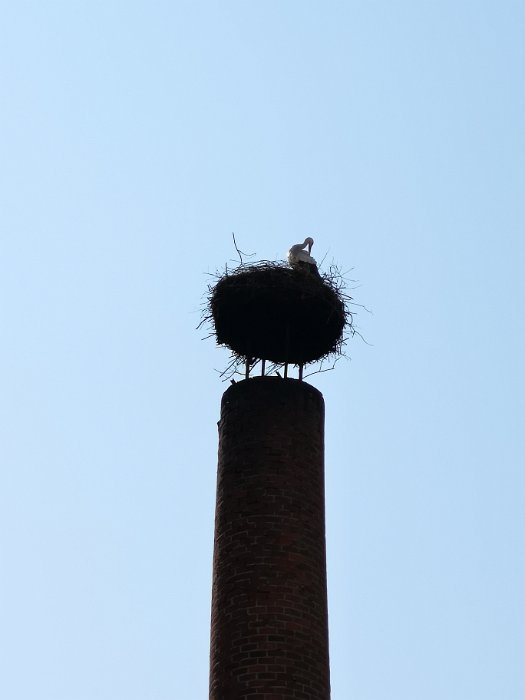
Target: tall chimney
269, 623
269, 630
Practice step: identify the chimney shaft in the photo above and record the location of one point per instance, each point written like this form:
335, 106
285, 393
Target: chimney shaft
269, 627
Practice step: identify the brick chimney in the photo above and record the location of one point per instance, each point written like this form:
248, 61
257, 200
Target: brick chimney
269, 623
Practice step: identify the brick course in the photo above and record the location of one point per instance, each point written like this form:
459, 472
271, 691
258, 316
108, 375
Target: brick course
269, 627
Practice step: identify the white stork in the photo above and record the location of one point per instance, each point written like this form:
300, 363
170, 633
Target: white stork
297, 254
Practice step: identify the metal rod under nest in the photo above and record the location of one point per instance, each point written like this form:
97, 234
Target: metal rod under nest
247, 366
263, 366
286, 349
300, 372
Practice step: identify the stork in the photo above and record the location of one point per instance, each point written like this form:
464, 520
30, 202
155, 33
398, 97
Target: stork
298, 254
300, 259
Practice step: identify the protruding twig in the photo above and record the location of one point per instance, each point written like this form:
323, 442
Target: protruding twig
240, 252
321, 370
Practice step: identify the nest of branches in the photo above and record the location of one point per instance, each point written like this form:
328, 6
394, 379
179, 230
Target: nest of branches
283, 315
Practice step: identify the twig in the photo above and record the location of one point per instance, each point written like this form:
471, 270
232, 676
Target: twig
321, 370
240, 252
324, 258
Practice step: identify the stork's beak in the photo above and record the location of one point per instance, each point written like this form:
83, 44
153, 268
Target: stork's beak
309, 248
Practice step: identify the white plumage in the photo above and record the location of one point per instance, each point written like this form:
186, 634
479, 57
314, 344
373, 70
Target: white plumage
297, 253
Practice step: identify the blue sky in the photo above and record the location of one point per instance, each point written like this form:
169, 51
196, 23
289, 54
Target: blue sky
135, 137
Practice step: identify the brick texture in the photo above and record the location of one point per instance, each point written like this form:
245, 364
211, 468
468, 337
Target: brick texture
269, 626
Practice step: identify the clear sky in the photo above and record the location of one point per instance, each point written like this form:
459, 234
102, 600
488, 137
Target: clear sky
134, 138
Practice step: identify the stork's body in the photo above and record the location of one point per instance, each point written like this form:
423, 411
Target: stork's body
299, 257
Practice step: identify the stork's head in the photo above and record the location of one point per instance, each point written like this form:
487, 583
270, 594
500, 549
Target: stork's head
309, 242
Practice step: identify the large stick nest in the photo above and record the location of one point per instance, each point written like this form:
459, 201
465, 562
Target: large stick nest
270, 311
